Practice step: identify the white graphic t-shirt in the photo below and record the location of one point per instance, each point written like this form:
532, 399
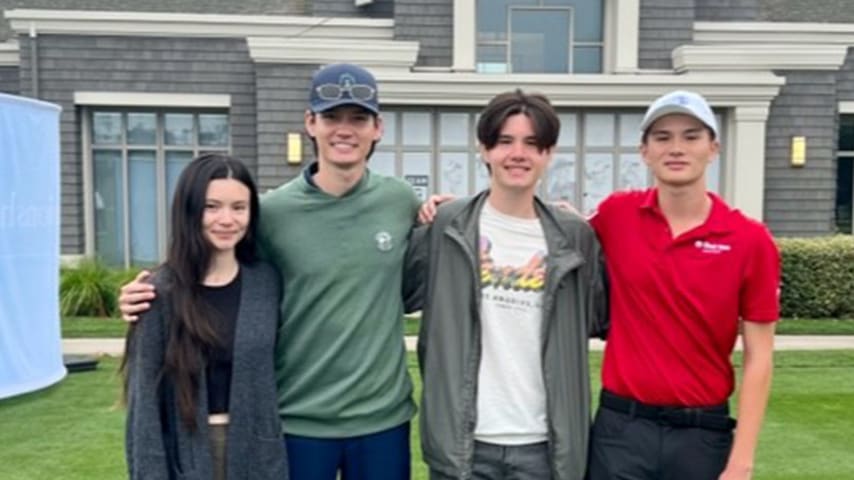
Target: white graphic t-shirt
511, 398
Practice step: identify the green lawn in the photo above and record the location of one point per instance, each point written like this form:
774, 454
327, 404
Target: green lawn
73, 430
79, 327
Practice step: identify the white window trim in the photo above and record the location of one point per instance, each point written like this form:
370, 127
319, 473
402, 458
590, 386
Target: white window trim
74, 22
846, 108
157, 100
620, 36
9, 54
729, 57
374, 54
773, 33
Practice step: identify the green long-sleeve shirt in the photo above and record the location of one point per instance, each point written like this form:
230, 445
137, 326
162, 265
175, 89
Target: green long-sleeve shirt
340, 358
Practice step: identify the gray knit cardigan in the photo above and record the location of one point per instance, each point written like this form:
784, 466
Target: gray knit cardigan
157, 444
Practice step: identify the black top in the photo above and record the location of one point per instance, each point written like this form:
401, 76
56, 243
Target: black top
225, 301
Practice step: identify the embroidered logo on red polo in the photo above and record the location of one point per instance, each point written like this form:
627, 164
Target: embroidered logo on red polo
712, 248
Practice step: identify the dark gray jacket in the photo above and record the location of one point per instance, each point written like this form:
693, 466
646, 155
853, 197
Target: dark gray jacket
255, 450
449, 343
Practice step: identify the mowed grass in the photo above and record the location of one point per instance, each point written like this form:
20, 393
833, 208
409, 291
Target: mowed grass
74, 431
98, 327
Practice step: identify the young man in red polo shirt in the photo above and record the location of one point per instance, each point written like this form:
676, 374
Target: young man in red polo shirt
684, 268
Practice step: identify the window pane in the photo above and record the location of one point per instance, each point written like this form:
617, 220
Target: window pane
844, 184
568, 128
106, 128
175, 163
588, 20
492, 59
630, 135
213, 129
587, 60
846, 133
142, 183
492, 18
178, 129
560, 180
632, 171
142, 129
382, 163
598, 179
599, 130
417, 129
109, 206
454, 173
389, 128
713, 175
454, 129
416, 171
481, 175
539, 41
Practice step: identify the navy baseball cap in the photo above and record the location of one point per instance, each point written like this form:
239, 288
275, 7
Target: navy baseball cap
343, 84
680, 101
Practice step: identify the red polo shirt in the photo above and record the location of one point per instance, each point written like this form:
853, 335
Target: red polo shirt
675, 302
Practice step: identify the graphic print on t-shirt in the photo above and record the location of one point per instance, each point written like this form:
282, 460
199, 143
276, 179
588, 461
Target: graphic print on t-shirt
502, 283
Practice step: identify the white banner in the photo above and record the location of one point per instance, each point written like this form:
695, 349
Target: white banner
30, 343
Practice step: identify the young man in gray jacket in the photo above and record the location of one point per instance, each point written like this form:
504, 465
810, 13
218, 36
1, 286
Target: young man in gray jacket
511, 290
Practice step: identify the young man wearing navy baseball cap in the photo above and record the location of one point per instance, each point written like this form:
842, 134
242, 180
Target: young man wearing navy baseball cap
685, 271
337, 234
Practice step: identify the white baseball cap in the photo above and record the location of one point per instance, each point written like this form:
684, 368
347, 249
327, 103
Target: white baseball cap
684, 102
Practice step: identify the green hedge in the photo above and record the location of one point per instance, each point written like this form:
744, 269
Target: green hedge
818, 277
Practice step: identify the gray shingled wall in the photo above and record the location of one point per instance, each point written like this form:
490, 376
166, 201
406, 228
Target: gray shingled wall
242, 7
841, 11
664, 25
429, 22
800, 201
845, 77
727, 10
9, 82
73, 63
282, 92
348, 8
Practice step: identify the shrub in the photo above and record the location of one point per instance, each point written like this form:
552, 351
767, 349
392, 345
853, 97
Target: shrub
87, 289
818, 276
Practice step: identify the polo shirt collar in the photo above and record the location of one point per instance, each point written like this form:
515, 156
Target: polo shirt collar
718, 217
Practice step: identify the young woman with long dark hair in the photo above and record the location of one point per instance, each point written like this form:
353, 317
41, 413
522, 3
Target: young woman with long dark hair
199, 379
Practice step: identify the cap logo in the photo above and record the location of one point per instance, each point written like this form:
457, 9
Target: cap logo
346, 80
682, 100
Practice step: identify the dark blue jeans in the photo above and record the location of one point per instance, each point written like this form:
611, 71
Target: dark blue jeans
378, 456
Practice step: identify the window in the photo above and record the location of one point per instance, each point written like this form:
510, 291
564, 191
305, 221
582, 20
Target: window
539, 36
137, 156
597, 153
845, 175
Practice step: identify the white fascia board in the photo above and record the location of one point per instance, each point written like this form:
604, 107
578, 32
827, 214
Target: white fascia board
160, 100
75, 22
471, 89
375, 54
732, 57
9, 54
773, 33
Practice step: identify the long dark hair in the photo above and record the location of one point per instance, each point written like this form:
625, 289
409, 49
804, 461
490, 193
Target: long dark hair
190, 333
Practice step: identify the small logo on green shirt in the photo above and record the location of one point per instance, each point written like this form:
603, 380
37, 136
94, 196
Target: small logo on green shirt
383, 241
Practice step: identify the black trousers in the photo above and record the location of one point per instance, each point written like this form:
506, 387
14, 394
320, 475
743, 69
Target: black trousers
629, 447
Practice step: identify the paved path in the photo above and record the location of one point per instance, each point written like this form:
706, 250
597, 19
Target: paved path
115, 346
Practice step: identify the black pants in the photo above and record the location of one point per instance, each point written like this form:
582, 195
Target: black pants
630, 447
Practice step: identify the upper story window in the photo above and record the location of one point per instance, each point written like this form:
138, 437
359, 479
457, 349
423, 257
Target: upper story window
539, 36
